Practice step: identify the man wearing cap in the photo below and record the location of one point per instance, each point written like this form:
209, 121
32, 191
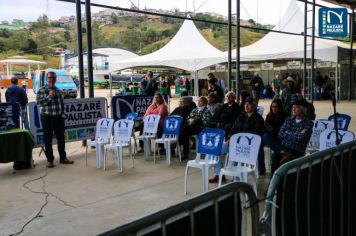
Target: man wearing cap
250, 122
287, 94
293, 136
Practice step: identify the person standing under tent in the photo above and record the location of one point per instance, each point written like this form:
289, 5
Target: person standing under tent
51, 101
276, 85
257, 85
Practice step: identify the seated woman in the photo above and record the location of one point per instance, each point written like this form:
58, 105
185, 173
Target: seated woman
274, 120
197, 120
158, 107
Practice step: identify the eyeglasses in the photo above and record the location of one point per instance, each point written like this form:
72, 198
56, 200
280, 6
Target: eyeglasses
51, 77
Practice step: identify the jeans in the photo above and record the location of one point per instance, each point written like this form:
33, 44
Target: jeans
50, 125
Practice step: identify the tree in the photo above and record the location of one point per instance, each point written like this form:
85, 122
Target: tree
67, 36
5, 33
130, 39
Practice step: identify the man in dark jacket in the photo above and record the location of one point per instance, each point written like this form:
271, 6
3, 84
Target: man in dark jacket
14, 93
228, 113
214, 88
152, 86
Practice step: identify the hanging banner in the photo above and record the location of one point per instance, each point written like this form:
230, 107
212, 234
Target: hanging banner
267, 66
9, 116
323, 64
123, 105
333, 22
292, 65
220, 68
243, 67
80, 117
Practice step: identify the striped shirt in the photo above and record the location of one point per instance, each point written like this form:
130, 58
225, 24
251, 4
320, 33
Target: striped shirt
50, 106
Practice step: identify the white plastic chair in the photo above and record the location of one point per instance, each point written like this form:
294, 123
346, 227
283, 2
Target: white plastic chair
171, 129
133, 116
210, 144
150, 126
102, 136
318, 127
241, 160
121, 139
260, 110
328, 138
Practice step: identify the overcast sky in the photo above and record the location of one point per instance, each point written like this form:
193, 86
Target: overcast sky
267, 11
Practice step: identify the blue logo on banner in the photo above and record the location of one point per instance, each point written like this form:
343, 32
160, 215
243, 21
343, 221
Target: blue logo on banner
332, 22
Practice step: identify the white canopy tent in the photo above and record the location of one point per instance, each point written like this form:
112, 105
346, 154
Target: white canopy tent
188, 50
19, 60
277, 46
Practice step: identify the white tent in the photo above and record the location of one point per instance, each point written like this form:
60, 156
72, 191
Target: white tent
275, 46
19, 60
187, 50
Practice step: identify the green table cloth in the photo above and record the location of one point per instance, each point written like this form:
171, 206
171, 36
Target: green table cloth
16, 145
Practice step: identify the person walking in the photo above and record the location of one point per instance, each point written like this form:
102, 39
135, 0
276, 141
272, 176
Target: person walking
50, 99
257, 85
16, 94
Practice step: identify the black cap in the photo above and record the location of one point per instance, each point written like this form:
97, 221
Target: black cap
301, 102
251, 100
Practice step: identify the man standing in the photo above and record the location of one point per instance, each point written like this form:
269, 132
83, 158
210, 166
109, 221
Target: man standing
257, 84
152, 86
214, 88
50, 100
287, 94
15, 93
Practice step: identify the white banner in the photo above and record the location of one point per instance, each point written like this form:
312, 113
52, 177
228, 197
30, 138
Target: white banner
220, 68
293, 65
80, 117
243, 67
267, 66
323, 64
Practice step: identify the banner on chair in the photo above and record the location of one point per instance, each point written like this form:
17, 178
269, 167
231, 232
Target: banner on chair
9, 116
210, 141
243, 147
320, 126
80, 117
123, 105
328, 138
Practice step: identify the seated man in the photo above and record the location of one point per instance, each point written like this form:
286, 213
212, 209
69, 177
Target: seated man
293, 136
184, 108
250, 122
228, 113
197, 120
214, 109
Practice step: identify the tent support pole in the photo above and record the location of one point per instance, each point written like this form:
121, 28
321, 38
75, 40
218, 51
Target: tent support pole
89, 48
229, 44
305, 48
313, 53
351, 77
238, 42
80, 48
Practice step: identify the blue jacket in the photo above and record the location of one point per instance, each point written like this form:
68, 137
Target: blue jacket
16, 94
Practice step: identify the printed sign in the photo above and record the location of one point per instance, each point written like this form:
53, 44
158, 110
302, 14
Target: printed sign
323, 64
151, 124
210, 141
80, 117
244, 148
123, 105
320, 126
220, 68
9, 116
267, 66
243, 67
328, 138
104, 128
293, 65
172, 125
123, 130
332, 22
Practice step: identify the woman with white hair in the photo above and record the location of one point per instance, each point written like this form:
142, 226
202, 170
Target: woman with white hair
228, 112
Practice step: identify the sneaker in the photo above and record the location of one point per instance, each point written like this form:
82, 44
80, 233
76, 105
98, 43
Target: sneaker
50, 164
215, 179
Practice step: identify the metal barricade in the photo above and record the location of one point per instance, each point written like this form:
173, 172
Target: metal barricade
217, 212
314, 195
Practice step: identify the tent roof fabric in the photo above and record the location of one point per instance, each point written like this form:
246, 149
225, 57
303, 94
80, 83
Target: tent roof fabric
187, 50
275, 46
18, 60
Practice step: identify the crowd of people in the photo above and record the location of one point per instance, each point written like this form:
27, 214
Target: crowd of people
286, 129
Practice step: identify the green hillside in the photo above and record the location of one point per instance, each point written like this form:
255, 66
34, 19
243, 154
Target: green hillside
140, 34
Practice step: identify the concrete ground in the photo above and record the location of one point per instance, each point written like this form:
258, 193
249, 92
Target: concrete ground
88, 201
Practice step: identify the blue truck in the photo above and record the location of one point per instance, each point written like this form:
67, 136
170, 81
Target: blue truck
64, 82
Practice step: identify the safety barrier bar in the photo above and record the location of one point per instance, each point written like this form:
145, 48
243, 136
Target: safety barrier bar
217, 212
314, 195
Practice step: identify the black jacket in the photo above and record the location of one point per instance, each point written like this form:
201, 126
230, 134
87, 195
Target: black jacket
16, 94
228, 113
253, 124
